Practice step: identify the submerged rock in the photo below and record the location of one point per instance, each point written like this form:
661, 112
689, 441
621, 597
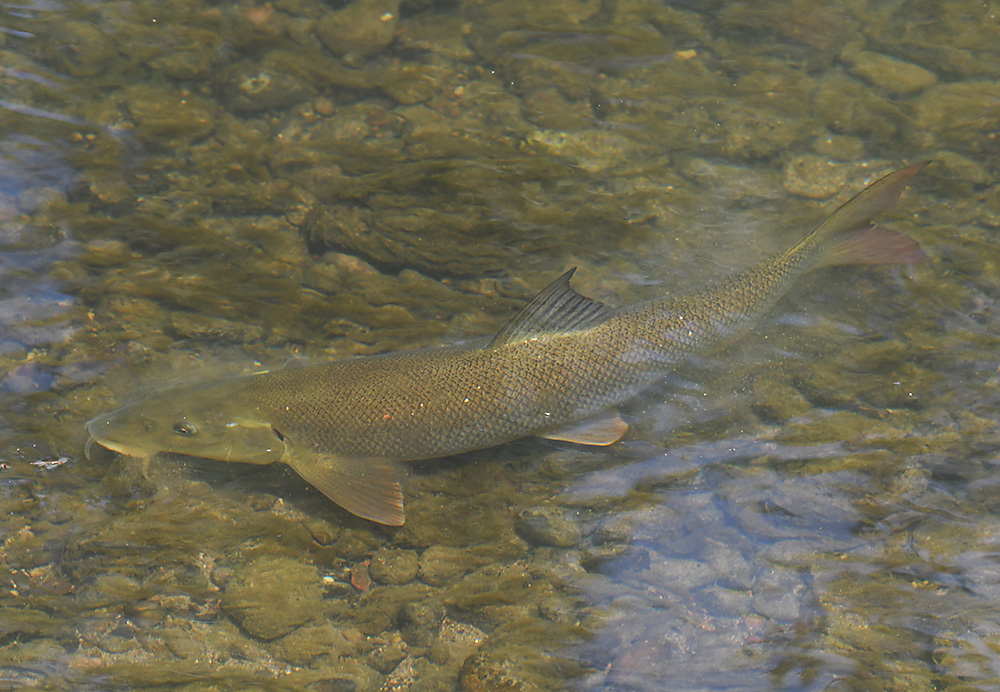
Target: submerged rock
394, 566
393, 235
851, 107
592, 150
485, 672
550, 110
777, 401
937, 107
306, 643
548, 526
252, 85
442, 564
889, 73
271, 596
421, 621
81, 49
679, 574
815, 177
779, 596
166, 116
359, 30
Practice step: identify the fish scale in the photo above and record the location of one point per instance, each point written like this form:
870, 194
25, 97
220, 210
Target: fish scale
434, 402
554, 370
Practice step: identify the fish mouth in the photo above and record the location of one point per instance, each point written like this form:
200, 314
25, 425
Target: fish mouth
114, 447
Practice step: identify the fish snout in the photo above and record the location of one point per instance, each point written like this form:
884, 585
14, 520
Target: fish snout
104, 431
96, 425
94, 428
100, 429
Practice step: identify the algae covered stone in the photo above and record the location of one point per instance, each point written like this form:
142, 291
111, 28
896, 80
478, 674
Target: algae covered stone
81, 48
815, 177
359, 30
889, 73
306, 643
777, 401
394, 566
549, 526
271, 596
251, 86
939, 110
853, 108
441, 564
421, 621
485, 672
165, 116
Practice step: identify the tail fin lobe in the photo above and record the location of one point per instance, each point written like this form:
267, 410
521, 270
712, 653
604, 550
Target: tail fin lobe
872, 245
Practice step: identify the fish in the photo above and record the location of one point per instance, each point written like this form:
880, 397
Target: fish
555, 370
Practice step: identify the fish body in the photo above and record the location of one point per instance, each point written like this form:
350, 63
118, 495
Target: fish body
554, 370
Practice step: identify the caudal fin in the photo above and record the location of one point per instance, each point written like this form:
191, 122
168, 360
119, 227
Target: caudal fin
872, 245
847, 236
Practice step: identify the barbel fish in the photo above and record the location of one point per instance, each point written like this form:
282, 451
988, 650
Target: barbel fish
555, 370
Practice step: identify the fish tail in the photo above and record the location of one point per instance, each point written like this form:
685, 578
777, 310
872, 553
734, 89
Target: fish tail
873, 245
847, 236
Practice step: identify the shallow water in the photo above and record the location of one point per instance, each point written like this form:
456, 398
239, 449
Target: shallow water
190, 189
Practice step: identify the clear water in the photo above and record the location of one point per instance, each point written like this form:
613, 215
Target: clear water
193, 189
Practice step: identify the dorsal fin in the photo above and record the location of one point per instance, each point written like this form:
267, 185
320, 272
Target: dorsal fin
557, 309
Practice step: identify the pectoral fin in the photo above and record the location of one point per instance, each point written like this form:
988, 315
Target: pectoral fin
602, 430
368, 488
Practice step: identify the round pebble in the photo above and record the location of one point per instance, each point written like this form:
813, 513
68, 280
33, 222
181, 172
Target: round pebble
394, 566
548, 526
271, 596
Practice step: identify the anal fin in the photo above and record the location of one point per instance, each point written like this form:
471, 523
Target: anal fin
600, 430
368, 488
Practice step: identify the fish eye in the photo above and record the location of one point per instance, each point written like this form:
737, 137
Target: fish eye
185, 429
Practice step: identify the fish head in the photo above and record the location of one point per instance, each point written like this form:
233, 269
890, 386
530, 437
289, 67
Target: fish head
200, 421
